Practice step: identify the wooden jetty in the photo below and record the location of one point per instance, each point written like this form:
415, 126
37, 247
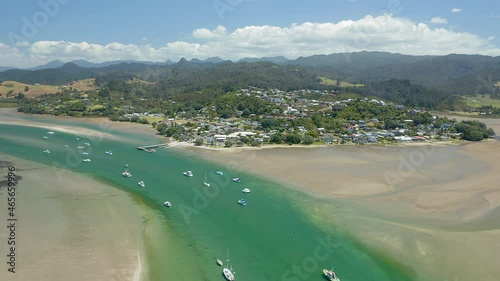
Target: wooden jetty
149, 147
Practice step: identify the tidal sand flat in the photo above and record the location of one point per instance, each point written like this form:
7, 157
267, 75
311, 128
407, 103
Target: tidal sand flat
70, 227
432, 207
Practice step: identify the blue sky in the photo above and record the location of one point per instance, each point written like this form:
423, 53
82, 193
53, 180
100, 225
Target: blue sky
232, 29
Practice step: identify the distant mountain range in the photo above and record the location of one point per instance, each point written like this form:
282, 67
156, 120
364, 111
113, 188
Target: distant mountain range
453, 74
87, 64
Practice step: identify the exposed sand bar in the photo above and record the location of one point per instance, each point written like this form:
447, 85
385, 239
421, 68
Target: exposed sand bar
12, 117
71, 227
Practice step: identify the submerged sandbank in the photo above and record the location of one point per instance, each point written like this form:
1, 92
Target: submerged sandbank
71, 227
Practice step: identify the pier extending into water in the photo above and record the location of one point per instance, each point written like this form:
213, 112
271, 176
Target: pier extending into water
149, 147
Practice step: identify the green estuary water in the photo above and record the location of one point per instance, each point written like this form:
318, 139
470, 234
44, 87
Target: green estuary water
272, 238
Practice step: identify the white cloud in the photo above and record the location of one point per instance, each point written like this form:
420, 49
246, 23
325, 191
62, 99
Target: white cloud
491, 38
383, 33
438, 20
204, 33
456, 10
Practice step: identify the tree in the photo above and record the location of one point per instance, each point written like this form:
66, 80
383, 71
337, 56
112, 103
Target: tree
307, 140
199, 142
26, 88
277, 138
491, 132
293, 139
228, 143
104, 93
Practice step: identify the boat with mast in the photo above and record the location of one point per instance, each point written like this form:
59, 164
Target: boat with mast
228, 273
330, 275
205, 182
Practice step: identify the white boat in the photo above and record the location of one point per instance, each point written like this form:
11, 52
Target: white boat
220, 173
77, 138
50, 133
109, 152
206, 182
330, 275
141, 184
246, 190
219, 262
242, 202
126, 174
46, 151
237, 180
85, 153
188, 173
126, 165
168, 204
87, 144
86, 160
228, 274
45, 137
66, 145
81, 147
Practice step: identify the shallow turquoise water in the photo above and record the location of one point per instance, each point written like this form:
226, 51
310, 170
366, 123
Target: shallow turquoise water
269, 239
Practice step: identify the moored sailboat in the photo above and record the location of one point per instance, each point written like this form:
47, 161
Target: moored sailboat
205, 182
330, 275
228, 273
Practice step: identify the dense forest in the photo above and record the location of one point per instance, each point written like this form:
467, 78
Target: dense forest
451, 74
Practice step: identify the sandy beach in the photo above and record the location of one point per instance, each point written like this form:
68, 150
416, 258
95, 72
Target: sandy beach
10, 116
71, 227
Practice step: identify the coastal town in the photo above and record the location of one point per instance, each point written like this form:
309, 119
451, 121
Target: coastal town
295, 119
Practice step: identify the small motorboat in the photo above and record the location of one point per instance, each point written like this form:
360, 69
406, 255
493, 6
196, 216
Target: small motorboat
77, 138
220, 173
85, 153
66, 145
219, 262
141, 184
126, 165
46, 151
45, 137
188, 173
237, 180
127, 174
167, 204
50, 133
109, 152
86, 160
242, 202
246, 190
330, 275
87, 144
81, 147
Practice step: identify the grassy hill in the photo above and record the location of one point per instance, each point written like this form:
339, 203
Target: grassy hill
12, 88
84, 85
478, 101
331, 82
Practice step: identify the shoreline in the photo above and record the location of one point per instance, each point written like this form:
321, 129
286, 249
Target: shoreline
90, 230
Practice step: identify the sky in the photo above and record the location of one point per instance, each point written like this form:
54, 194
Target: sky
35, 32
